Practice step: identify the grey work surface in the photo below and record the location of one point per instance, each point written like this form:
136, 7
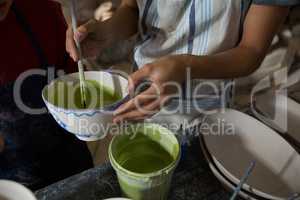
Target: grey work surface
192, 181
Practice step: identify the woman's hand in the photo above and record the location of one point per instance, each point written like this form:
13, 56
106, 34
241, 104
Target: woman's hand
91, 36
2, 144
166, 76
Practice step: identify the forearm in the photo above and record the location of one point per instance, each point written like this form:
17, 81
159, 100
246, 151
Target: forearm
260, 26
122, 25
237, 62
85, 9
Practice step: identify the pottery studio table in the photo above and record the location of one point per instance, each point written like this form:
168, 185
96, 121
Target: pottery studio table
192, 181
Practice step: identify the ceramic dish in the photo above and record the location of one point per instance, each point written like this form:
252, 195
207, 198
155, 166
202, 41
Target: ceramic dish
88, 124
277, 163
117, 199
225, 181
14, 191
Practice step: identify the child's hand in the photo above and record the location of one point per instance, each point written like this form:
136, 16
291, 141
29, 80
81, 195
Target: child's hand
166, 75
2, 144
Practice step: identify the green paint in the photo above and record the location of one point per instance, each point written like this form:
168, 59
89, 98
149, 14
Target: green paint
143, 155
68, 96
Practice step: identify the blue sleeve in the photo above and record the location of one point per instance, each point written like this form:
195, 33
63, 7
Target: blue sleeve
277, 2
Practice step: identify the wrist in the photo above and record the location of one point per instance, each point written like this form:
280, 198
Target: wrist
194, 64
184, 59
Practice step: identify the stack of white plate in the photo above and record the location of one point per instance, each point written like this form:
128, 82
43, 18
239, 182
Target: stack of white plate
234, 140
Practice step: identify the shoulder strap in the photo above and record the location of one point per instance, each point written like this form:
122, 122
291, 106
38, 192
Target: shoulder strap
31, 36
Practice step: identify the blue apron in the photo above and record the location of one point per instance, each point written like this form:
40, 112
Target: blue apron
37, 152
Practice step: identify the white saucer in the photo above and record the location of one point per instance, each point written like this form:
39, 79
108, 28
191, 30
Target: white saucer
277, 163
10, 190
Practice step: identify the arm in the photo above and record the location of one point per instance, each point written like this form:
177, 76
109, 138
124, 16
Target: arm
96, 35
124, 22
121, 26
85, 9
260, 26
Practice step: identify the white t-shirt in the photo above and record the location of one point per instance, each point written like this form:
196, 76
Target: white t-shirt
197, 27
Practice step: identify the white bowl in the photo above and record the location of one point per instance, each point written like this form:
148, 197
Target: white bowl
277, 163
88, 124
14, 191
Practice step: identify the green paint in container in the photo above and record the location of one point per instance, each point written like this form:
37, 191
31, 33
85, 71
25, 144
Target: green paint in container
67, 95
145, 157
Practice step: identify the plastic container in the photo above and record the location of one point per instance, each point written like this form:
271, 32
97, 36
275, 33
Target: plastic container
144, 186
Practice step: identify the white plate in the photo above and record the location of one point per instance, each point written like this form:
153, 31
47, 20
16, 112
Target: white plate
117, 199
10, 190
278, 164
221, 177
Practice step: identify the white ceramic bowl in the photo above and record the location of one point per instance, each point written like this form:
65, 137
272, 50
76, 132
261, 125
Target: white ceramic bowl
277, 163
88, 124
13, 191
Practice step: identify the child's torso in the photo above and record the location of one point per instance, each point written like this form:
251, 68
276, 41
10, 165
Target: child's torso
197, 27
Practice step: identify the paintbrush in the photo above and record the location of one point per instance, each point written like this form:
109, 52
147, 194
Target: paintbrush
243, 180
80, 64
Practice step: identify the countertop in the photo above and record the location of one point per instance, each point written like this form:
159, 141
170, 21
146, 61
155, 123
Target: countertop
192, 181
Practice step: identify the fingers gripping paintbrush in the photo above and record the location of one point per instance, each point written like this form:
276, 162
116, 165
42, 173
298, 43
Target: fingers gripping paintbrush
80, 64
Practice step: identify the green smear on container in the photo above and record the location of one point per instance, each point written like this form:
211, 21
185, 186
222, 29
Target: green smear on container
68, 96
144, 155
